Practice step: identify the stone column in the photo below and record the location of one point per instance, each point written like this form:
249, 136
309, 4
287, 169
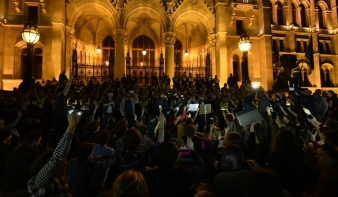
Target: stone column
119, 38
212, 43
58, 19
69, 50
222, 69
169, 59
57, 51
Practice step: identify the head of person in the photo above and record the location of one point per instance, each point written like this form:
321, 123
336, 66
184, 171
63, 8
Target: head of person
189, 130
263, 183
231, 159
318, 93
130, 183
327, 155
5, 136
103, 138
285, 145
128, 94
152, 117
229, 117
167, 154
34, 137
330, 93
84, 151
189, 121
234, 138
110, 95
143, 130
131, 140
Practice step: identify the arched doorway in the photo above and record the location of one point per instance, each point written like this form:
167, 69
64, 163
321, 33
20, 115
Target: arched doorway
143, 65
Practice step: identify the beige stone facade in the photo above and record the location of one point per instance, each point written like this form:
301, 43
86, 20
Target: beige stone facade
205, 28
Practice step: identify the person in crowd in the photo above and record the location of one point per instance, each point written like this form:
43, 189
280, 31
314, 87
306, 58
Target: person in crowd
232, 178
263, 183
127, 107
83, 170
286, 160
327, 162
46, 178
167, 180
146, 142
130, 183
101, 148
321, 105
107, 109
20, 160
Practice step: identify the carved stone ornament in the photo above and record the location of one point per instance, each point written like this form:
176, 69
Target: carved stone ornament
193, 2
17, 5
119, 38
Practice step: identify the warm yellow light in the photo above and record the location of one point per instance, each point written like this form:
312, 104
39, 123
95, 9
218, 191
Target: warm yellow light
186, 54
244, 43
98, 50
256, 84
144, 52
106, 63
30, 33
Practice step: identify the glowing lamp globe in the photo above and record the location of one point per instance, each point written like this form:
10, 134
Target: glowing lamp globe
30, 33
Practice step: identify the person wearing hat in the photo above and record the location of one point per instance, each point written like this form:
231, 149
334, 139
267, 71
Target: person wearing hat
108, 105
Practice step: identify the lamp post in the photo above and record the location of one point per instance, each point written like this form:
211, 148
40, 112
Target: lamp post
30, 35
244, 45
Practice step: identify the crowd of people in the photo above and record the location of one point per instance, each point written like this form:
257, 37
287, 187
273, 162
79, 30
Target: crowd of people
76, 137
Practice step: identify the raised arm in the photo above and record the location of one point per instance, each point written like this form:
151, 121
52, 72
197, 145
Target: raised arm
69, 83
161, 128
45, 176
292, 112
284, 112
15, 122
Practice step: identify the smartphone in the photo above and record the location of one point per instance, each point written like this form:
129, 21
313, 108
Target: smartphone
131, 92
70, 111
182, 96
79, 113
177, 108
222, 109
291, 89
160, 106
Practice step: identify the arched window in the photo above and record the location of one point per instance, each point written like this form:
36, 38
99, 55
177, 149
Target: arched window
37, 68
294, 15
37, 64
178, 48
325, 77
320, 17
108, 50
140, 43
236, 68
280, 15
303, 15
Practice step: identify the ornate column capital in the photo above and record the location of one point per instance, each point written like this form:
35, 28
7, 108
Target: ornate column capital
119, 36
169, 38
212, 40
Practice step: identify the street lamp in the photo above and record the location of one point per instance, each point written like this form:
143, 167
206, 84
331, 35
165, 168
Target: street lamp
244, 45
30, 35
